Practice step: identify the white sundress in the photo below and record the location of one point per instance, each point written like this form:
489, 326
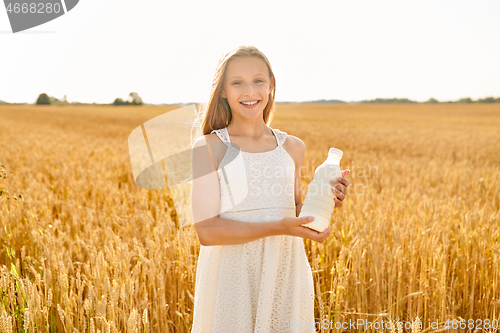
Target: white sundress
265, 285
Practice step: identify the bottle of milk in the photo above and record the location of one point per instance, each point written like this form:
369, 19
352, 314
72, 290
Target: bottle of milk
319, 201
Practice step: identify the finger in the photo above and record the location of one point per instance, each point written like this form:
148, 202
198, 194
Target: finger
319, 238
303, 224
327, 231
343, 181
305, 219
345, 172
338, 202
326, 234
340, 195
338, 186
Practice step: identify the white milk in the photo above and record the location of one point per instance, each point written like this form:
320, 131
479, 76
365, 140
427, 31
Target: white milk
319, 201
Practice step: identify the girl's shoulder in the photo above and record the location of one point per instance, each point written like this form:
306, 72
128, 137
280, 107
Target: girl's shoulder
210, 145
206, 138
202, 140
293, 140
293, 145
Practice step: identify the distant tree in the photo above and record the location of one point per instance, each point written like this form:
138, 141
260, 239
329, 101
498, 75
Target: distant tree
497, 100
486, 100
119, 101
43, 99
332, 101
388, 100
465, 100
54, 100
135, 99
432, 100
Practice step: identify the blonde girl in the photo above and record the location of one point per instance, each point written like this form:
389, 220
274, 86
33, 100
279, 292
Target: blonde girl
253, 274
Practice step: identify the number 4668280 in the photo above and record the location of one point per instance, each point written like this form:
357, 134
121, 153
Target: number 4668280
472, 324
34, 8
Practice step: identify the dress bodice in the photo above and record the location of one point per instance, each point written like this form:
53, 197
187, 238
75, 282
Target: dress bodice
256, 187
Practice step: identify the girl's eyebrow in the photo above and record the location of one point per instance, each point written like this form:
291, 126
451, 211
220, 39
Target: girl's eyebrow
234, 77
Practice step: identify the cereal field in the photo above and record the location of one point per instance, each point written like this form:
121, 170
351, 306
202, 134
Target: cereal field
84, 249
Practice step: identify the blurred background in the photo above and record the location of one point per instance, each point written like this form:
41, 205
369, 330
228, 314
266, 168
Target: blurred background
167, 51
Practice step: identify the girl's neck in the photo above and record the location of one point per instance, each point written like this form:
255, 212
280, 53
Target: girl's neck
255, 130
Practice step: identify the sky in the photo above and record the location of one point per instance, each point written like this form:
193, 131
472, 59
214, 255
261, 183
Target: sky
167, 51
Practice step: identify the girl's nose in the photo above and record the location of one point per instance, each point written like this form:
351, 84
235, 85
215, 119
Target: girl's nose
249, 90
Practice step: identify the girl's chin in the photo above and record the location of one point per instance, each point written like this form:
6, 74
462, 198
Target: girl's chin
248, 114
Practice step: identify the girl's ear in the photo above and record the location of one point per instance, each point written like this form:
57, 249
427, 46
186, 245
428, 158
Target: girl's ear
223, 94
271, 86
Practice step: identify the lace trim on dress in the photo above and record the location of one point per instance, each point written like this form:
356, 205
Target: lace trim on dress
224, 136
281, 136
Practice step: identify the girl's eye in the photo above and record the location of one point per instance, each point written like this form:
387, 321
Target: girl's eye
240, 82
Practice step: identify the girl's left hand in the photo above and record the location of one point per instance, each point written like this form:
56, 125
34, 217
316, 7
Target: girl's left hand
340, 187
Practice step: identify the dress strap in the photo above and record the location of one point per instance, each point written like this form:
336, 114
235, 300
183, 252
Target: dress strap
223, 135
280, 136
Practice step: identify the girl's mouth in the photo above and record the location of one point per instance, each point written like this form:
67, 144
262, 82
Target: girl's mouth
250, 105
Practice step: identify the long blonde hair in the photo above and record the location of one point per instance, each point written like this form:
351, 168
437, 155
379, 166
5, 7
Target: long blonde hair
216, 114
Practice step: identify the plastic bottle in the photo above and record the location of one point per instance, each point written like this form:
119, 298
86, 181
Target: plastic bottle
320, 199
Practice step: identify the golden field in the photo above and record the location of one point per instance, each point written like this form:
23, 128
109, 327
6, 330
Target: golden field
84, 249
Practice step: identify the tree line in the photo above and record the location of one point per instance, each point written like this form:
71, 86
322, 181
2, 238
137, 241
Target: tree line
133, 99
432, 100
399, 100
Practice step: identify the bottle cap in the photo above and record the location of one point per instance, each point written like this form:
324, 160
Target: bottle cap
336, 152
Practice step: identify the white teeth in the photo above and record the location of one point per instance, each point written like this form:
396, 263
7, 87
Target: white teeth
249, 103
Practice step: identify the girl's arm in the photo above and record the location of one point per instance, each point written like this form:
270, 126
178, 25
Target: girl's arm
221, 231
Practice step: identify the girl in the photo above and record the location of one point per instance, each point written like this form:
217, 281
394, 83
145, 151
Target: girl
253, 274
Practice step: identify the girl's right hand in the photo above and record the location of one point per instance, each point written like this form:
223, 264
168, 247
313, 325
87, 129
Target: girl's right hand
291, 226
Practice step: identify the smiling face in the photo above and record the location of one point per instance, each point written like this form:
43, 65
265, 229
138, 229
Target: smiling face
247, 86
